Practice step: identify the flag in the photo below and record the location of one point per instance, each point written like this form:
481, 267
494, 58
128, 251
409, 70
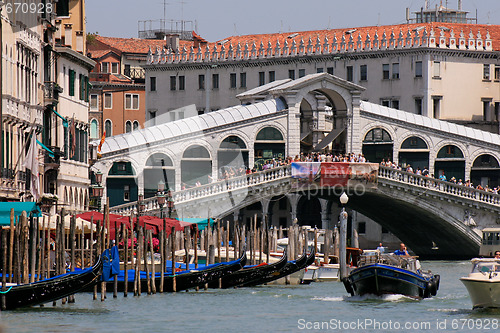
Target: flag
31, 163
102, 141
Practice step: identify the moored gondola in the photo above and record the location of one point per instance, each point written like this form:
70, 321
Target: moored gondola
249, 274
291, 267
184, 280
51, 289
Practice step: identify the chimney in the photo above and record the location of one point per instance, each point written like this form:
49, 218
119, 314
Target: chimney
172, 41
459, 4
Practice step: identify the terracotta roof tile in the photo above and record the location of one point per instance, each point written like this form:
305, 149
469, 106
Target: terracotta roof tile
494, 31
138, 45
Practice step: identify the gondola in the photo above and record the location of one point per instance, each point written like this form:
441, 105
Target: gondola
184, 280
51, 289
249, 274
291, 267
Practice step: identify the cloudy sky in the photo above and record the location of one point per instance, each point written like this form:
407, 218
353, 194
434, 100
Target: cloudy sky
216, 19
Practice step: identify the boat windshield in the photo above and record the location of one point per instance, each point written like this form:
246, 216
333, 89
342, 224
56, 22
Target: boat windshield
486, 266
374, 257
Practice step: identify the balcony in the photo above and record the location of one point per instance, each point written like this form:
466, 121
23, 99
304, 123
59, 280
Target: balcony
53, 162
136, 74
51, 92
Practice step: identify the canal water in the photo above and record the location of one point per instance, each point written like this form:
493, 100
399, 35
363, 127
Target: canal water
266, 309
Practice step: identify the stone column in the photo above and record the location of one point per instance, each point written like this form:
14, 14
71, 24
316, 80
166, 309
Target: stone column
354, 124
294, 200
293, 130
236, 217
265, 207
324, 213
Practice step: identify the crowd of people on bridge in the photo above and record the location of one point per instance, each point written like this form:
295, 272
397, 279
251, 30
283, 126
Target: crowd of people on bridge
229, 171
425, 172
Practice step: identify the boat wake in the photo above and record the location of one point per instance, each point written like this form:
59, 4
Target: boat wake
384, 298
329, 299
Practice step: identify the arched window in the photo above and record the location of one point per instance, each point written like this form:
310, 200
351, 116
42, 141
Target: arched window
128, 126
269, 144
232, 154
269, 134
108, 128
378, 145
485, 171
159, 160
159, 168
196, 166
414, 142
94, 132
450, 151
233, 142
196, 151
136, 125
485, 161
377, 135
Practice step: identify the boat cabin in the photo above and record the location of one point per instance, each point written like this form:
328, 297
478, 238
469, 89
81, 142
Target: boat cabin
490, 242
375, 257
485, 265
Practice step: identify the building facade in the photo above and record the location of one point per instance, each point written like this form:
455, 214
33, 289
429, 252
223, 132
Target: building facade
447, 71
45, 93
22, 39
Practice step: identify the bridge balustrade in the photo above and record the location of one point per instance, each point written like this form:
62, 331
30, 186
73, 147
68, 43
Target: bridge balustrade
284, 172
438, 185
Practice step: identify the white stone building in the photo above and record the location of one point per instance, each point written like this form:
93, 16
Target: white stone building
447, 71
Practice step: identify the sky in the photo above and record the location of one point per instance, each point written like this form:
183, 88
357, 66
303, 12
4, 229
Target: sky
217, 19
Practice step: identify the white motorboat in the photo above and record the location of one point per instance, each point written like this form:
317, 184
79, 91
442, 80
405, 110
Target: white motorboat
483, 283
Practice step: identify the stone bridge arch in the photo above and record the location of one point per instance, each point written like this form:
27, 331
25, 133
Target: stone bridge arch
343, 95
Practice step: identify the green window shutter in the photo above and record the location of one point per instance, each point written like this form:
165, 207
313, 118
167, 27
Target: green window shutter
71, 82
87, 89
80, 84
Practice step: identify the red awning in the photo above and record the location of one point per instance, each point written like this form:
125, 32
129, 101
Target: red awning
153, 223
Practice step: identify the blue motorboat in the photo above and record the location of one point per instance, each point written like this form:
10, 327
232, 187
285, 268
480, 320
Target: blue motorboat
380, 274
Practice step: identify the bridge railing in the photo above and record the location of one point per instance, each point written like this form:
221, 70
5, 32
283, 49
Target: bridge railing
438, 185
151, 204
283, 172
232, 184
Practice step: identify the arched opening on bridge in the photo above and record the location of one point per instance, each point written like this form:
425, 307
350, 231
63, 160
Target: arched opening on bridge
159, 168
250, 212
485, 171
121, 184
414, 152
279, 211
323, 115
378, 145
232, 157
269, 144
309, 211
450, 161
196, 166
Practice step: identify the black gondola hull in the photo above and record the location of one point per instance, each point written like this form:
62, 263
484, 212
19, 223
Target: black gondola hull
290, 268
51, 289
249, 275
185, 280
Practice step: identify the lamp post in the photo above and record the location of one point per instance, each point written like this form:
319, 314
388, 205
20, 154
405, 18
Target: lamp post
170, 204
140, 204
343, 237
160, 196
97, 190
